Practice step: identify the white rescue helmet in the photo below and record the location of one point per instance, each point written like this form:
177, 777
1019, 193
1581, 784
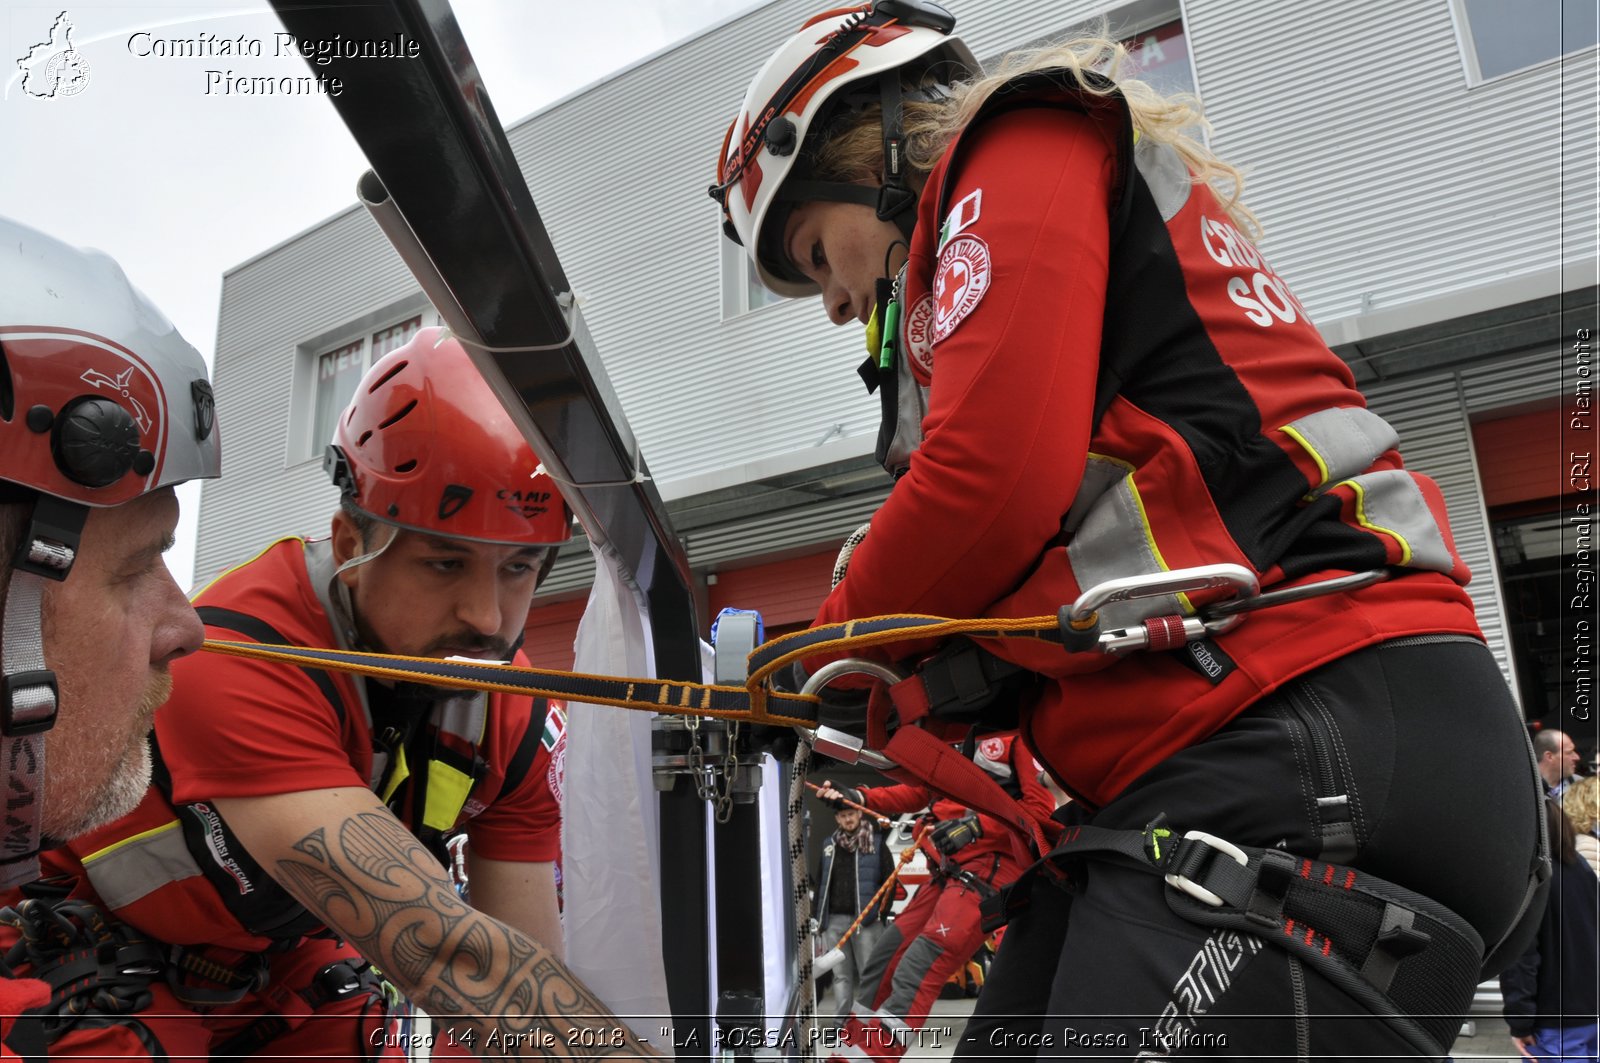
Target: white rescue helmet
847, 57
101, 400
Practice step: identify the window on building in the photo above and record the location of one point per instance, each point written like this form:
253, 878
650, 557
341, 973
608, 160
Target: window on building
336, 373
741, 292
1543, 543
1160, 56
1502, 37
1533, 554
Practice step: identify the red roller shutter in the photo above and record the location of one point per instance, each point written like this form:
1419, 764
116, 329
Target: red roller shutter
783, 592
550, 631
1520, 460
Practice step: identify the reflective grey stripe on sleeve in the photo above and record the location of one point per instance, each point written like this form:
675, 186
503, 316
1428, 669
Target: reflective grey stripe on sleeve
1112, 540
137, 867
1344, 441
1165, 174
1391, 503
1099, 474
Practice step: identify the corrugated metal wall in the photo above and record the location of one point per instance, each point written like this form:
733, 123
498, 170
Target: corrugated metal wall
1375, 169
317, 283
1377, 172
1432, 416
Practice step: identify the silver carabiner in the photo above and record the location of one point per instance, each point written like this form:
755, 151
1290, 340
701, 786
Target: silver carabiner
1085, 610
842, 745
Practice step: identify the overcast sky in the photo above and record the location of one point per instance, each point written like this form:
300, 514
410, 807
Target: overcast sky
179, 184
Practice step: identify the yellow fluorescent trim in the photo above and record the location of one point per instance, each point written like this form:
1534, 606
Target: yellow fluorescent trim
398, 773
1322, 466
141, 836
1361, 517
230, 571
1150, 538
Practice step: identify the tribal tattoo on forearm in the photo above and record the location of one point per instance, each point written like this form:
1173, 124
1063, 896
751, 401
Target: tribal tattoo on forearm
377, 887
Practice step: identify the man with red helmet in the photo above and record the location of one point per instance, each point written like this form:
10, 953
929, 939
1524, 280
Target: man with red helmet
291, 802
103, 408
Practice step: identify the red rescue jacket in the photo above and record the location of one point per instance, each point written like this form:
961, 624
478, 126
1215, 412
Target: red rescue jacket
488, 764
1120, 384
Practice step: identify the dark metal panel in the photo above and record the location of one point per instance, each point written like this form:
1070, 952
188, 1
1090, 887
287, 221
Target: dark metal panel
469, 229
428, 129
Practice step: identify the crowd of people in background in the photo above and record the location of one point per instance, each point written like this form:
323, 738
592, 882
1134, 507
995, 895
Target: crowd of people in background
1550, 994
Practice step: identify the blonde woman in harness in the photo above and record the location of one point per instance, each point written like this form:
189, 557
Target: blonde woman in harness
1091, 373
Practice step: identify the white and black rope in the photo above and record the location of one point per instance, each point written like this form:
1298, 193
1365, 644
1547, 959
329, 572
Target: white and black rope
806, 1006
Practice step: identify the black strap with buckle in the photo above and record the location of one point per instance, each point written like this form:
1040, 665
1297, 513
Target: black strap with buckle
1410, 960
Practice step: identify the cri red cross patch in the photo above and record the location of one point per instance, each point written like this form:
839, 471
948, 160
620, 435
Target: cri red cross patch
962, 279
919, 332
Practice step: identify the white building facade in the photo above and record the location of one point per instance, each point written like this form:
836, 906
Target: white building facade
1425, 172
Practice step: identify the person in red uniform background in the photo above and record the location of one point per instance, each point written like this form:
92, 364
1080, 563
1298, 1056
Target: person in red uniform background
970, 856
292, 802
1098, 375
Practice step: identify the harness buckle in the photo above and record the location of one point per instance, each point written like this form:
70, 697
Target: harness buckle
28, 702
1193, 888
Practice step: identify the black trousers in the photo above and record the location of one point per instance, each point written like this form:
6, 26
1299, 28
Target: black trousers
1408, 760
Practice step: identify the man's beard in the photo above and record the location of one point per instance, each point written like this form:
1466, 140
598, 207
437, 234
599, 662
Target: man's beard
129, 778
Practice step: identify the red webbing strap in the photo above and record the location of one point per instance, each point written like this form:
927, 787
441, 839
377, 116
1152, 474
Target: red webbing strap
923, 759
936, 763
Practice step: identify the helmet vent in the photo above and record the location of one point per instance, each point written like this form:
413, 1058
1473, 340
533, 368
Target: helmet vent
385, 378
407, 408
8, 395
406, 466
363, 440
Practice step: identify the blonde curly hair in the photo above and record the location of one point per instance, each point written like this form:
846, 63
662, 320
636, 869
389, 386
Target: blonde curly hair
1581, 803
852, 150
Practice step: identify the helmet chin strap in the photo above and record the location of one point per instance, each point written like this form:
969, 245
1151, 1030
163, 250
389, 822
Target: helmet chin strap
361, 559
29, 694
893, 201
339, 594
896, 201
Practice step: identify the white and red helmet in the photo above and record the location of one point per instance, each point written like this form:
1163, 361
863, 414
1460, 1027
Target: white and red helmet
845, 57
101, 400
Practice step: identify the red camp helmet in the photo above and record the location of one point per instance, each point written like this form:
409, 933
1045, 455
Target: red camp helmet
425, 445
